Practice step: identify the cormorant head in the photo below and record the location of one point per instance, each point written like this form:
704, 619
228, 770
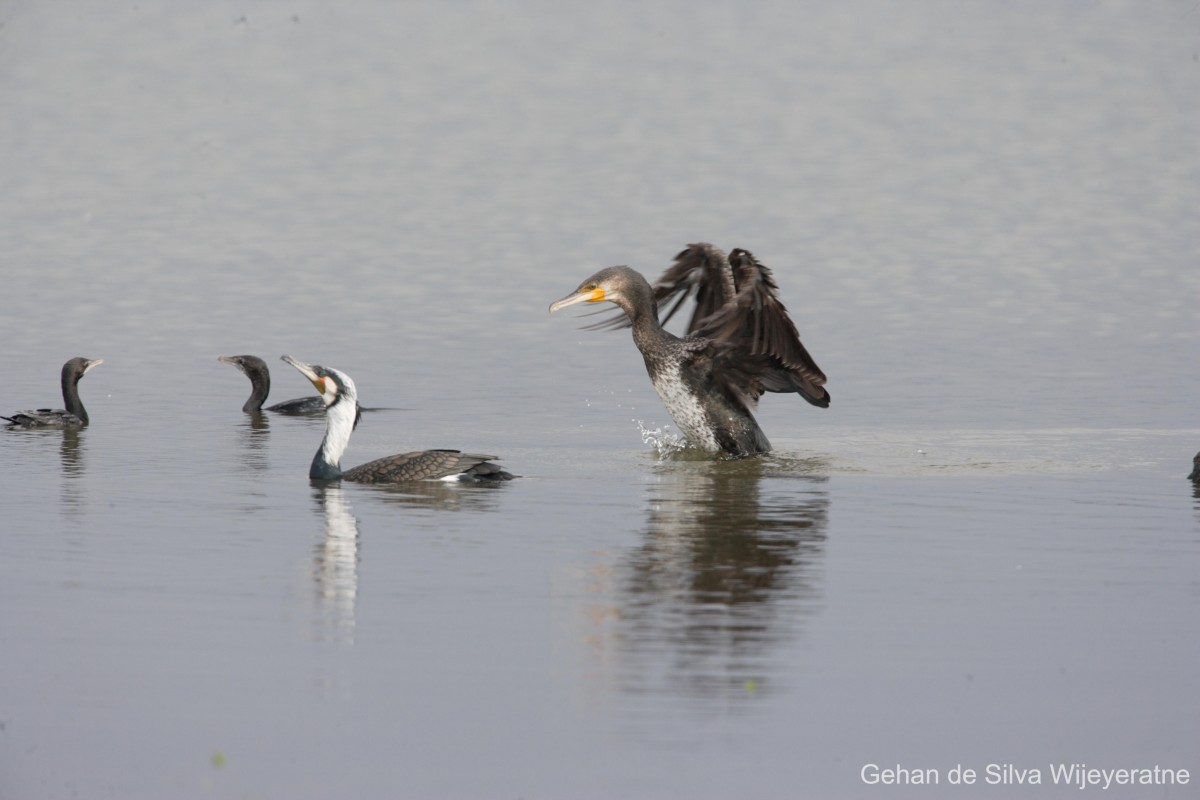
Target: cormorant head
618, 285
248, 365
75, 369
333, 385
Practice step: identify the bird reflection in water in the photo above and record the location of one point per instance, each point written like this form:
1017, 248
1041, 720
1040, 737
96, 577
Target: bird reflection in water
335, 566
71, 454
256, 437
1194, 477
726, 572
440, 495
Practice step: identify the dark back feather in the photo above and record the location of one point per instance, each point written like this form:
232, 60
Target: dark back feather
426, 465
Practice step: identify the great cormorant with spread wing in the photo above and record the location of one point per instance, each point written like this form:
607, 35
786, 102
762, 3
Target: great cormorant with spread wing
739, 343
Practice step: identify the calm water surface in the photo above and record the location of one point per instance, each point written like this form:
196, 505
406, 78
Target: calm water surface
983, 220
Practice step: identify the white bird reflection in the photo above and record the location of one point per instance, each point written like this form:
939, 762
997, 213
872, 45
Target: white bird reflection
335, 567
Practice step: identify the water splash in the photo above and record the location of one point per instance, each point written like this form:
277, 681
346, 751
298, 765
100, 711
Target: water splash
661, 439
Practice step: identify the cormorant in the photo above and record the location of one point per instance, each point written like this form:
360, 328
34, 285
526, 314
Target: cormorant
256, 370
740, 343
75, 415
340, 396
1195, 476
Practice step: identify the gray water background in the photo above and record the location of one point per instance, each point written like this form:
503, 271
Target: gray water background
985, 220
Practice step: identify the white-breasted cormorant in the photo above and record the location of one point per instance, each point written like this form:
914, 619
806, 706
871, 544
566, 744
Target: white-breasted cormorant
256, 370
340, 396
74, 415
740, 343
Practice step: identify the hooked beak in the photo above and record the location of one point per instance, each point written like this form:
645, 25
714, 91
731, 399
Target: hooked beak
307, 371
580, 296
232, 360
95, 362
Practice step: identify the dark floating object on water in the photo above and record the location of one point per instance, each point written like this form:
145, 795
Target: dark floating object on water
740, 343
260, 386
75, 415
340, 396
1195, 476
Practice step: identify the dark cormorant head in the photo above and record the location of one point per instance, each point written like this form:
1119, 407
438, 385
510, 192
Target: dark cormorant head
1195, 476
74, 369
256, 370
332, 384
251, 366
621, 285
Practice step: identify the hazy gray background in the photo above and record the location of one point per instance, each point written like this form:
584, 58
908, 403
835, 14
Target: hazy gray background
984, 219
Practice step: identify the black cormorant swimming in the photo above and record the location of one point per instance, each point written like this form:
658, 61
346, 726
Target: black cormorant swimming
75, 415
740, 343
1195, 476
260, 386
340, 396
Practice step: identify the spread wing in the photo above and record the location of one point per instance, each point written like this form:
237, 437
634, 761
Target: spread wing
760, 337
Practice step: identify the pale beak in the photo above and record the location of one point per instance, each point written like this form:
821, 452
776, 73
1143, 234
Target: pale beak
593, 296
308, 372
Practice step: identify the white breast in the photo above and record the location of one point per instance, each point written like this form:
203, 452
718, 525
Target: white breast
685, 408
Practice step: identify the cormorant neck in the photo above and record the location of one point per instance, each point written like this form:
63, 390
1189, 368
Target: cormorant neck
339, 424
322, 470
642, 314
260, 387
70, 391
639, 304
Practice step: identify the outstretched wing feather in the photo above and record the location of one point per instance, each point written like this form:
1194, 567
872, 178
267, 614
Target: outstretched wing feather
758, 319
